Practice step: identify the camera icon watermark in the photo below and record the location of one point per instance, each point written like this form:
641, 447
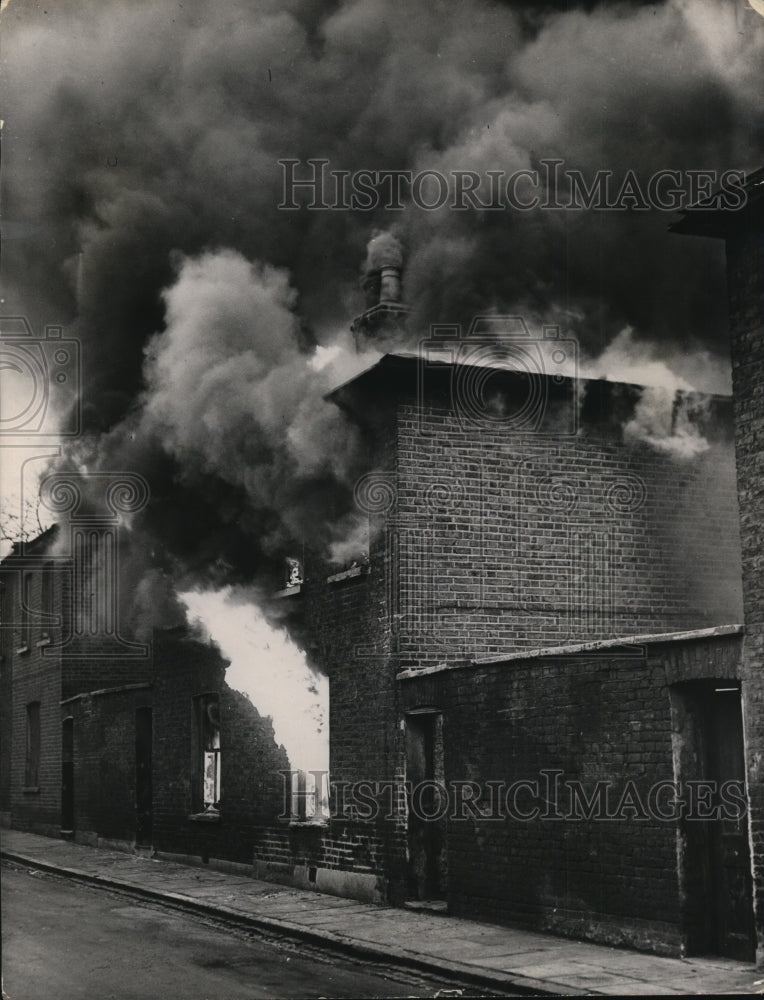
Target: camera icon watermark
41, 378
499, 375
466, 571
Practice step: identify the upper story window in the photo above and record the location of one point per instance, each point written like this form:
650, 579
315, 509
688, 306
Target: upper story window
293, 577
294, 572
27, 582
47, 600
5, 638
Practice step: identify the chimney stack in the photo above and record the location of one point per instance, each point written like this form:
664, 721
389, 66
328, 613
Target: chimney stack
390, 283
385, 313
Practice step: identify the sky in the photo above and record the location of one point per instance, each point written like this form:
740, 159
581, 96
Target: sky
140, 191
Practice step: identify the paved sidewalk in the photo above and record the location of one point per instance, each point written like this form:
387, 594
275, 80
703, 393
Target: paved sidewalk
500, 957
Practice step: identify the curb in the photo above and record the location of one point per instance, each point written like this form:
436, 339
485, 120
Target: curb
327, 940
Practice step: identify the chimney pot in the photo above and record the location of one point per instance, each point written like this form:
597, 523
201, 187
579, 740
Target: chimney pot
390, 283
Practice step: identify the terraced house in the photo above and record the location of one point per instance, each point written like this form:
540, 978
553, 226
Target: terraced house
545, 670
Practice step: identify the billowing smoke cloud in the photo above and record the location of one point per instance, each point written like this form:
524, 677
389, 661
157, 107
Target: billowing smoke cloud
670, 412
141, 149
134, 129
229, 390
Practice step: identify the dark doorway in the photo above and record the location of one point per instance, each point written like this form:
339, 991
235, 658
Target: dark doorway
729, 846
143, 791
427, 806
67, 777
715, 852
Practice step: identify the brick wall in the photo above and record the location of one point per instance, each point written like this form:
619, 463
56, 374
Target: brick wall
6, 699
253, 825
94, 663
589, 718
485, 541
104, 761
35, 676
80, 675
510, 541
252, 787
745, 272
345, 846
38, 667
351, 627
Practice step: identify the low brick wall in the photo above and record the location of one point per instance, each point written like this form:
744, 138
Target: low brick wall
554, 722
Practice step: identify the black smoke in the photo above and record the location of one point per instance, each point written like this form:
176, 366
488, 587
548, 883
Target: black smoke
140, 150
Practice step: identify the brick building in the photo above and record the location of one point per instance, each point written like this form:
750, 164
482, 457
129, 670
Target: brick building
218, 773
743, 236
68, 753
551, 608
539, 601
539, 677
122, 746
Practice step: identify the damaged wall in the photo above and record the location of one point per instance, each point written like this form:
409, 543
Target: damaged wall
251, 761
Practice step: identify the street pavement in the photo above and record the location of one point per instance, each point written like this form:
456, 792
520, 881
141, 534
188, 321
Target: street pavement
75, 941
504, 959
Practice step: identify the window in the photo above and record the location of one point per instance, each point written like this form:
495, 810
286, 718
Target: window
26, 610
6, 639
32, 768
309, 796
207, 798
46, 601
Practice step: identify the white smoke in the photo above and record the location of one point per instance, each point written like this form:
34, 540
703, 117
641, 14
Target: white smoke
229, 387
662, 417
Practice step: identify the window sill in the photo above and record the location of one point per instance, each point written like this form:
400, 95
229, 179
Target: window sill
289, 591
21, 650
308, 822
43, 642
31, 790
348, 574
205, 817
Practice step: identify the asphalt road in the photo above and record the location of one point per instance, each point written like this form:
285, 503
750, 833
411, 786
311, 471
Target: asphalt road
69, 941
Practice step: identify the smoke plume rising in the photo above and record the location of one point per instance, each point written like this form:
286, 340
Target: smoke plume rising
141, 150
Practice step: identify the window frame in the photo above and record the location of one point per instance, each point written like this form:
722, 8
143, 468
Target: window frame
47, 602
25, 601
207, 756
33, 746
